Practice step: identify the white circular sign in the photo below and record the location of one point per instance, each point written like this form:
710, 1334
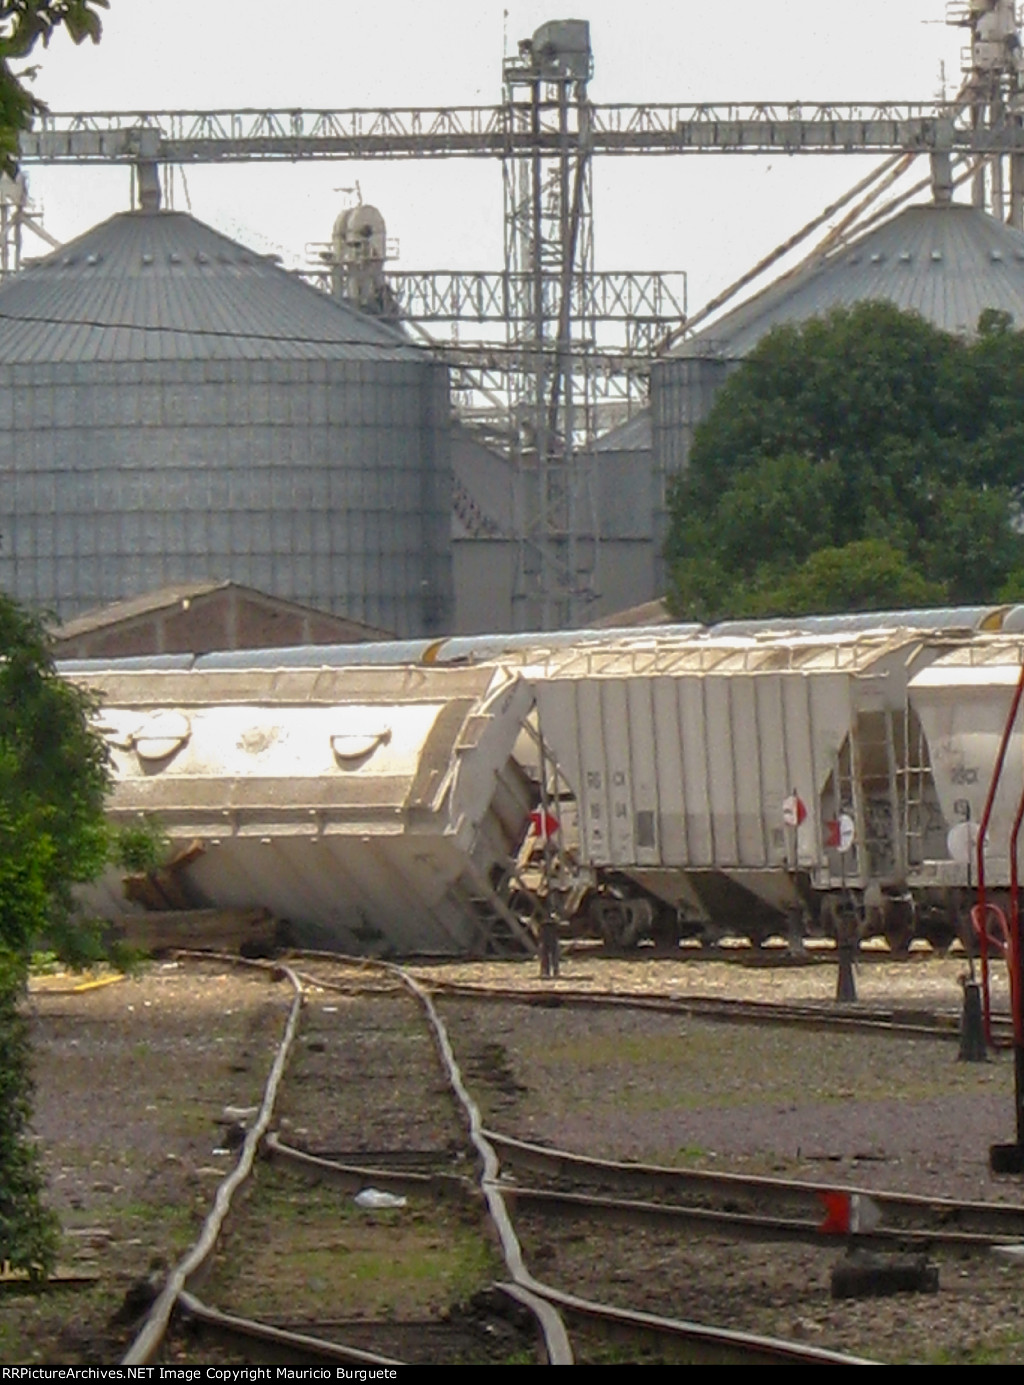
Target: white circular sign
962, 842
846, 831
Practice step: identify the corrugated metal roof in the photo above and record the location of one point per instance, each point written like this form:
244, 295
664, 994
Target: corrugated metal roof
947, 262
158, 286
633, 435
922, 619
665, 654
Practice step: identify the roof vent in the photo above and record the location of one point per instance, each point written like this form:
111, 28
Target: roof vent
996, 254
174, 257
147, 258
92, 259
904, 256
936, 254
353, 748
876, 258
201, 258
161, 734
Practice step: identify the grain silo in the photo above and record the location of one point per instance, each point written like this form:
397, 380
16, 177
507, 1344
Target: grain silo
174, 406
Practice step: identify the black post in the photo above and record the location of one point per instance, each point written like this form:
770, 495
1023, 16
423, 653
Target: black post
972, 1031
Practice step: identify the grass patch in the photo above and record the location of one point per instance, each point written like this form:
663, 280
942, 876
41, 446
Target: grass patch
298, 1243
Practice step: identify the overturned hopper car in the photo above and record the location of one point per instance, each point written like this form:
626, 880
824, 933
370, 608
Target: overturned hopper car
372, 807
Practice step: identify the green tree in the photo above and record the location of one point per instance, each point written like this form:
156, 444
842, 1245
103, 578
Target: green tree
860, 461
53, 775
53, 782
24, 24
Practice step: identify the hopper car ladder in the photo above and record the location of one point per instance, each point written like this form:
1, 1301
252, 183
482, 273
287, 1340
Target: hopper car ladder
1004, 1158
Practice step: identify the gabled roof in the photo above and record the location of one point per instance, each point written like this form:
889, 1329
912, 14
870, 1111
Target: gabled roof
158, 286
181, 596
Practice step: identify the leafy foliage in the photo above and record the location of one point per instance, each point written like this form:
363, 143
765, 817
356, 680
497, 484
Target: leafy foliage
861, 461
53, 771
23, 25
53, 781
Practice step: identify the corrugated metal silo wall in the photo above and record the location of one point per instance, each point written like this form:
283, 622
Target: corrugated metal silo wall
683, 390
324, 482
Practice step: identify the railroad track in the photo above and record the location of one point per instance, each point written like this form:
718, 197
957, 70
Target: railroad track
351, 1027
743, 1205
908, 1021
550, 1307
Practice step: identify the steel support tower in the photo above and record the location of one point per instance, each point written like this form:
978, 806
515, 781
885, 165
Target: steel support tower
548, 239
992, 65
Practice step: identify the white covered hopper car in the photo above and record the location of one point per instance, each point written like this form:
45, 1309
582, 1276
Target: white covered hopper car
963, 700
372, 807
732, 783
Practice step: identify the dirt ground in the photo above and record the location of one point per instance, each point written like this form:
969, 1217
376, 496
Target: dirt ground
133, 1079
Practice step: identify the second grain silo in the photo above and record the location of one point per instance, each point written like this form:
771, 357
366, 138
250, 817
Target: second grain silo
945, 261
174, 406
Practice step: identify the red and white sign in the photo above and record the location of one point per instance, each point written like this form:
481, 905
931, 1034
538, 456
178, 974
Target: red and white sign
543, 825
794, 810
840, 832
848, 1213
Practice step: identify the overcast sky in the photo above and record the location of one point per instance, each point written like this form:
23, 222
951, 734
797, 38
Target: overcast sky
710, 216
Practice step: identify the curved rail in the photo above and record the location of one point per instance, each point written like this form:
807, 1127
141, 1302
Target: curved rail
301, 1343
1003, 1220
147, 1342
555, 1336
912, 1023
543, 1299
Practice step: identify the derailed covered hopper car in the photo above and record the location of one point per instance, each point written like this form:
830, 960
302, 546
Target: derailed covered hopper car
368, 806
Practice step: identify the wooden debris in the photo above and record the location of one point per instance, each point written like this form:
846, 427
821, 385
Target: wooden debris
224, 930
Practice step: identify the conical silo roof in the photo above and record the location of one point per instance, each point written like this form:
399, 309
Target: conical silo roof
160, 286
947, 262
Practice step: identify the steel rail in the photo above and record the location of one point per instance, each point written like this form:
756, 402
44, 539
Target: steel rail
1008, 1221
742, 1226
562, 1163
304, 1346
352, 1177
543, 1298
748, 1226
712, 1345
547, 1302
147, 1341
555, 1336
826, 1015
